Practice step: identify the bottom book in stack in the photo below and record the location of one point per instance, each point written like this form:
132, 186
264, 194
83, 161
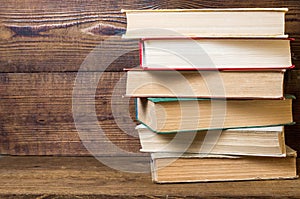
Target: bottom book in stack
237, 154
172, 167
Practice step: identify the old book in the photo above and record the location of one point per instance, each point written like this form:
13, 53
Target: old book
172, 167
213, 54
264, 141
169, 115
235, 22
205, 84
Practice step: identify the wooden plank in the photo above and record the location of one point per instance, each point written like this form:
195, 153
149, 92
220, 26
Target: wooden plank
61, 37
85, 177
39, 36
292, 86
36, 113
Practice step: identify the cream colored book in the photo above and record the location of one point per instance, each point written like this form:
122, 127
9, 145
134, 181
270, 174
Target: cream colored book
205, 84
234, 22
264, 141
169, 115
175, 168
213, 54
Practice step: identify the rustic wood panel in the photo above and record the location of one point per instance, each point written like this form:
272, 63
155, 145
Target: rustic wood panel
36, 112
42, 36
85, 177
61, 34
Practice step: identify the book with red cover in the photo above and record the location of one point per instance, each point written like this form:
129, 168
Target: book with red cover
215, 54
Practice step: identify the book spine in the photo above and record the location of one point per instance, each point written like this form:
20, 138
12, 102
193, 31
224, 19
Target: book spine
141, 51
136, 109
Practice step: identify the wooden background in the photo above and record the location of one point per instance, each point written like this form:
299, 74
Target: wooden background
43, 43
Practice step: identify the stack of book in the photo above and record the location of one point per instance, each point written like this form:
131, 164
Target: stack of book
209, 93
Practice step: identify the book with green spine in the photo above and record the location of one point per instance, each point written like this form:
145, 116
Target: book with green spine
170, 115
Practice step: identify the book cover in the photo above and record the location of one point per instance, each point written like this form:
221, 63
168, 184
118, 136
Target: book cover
207, 168
215, 54
171, 115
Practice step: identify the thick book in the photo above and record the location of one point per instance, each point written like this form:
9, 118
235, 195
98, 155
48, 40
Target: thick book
263, 141
214, 54
169, 115
235, 22
205, 84
176, 168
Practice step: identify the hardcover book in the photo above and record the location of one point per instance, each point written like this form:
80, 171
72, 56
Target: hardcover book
234, 22
169, 115
205, 84
172, 167
214, 54
263, 141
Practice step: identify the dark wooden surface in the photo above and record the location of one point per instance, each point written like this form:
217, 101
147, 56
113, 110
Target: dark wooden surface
43, 44
51, 35
36, 112
85, 177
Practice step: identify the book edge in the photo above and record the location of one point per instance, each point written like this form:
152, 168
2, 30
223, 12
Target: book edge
211, 129
285, 36
227, 180
141, 128
210, 10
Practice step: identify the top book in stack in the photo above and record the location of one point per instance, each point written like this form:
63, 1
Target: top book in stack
239, 22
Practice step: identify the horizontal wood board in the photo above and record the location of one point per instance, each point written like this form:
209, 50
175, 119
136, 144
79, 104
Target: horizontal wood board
85, 177
44, 43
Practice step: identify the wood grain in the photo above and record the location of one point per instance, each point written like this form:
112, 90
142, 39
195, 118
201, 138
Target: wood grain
43, 43
37, 118
85, 177
36, 113
61, 37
